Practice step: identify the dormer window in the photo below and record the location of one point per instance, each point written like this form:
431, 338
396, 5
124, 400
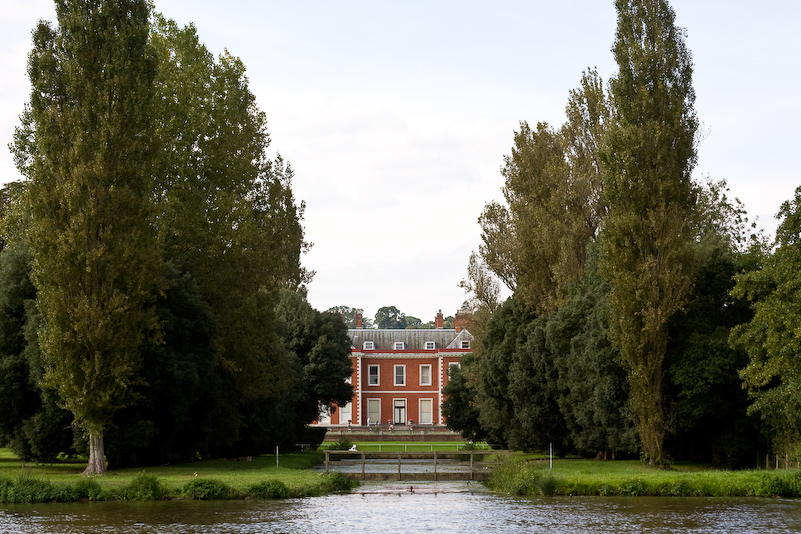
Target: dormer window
431, 345
465, 344
400, 345
369, 345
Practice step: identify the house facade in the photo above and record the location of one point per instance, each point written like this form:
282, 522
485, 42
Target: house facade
398, 375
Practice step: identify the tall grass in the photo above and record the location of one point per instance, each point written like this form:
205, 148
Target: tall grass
621, 478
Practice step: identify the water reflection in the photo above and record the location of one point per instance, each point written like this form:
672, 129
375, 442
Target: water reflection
436, 507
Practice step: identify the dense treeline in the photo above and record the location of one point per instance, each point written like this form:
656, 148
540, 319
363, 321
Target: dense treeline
629, 330
152, 301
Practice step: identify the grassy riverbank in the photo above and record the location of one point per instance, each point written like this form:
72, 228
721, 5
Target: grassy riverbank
527, 475
213, 479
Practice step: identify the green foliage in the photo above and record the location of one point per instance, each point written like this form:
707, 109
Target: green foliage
339, 482
588, 477
269, 489
203, 489
786, 484
90, 489
707, 403
320, 343
390, 317
459, 402
31, 423
342, 444
773, 373
96, 260
144, 487
349, 316
647, 160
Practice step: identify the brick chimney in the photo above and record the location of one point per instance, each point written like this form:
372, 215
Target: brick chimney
439, 321
358, 320
461, 320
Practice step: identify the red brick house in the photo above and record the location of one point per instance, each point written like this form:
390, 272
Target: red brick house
398, 375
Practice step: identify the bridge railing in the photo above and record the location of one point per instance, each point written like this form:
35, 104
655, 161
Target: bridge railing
475, 463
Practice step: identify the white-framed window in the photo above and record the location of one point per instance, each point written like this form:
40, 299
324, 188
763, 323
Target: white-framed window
399, 411
426, 411
368, 345
431, 345
400, 375
425, 375
400, 345
372, 375
374, 411
465, 344
346, 414
451, 365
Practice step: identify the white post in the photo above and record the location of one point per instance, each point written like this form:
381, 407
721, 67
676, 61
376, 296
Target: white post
276, 456
551, 456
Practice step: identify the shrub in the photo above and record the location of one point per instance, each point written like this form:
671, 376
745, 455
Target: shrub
90, 489
6, 489
204, 489
340, 482
343, 444
143, 487
29, 489
779, 485
269, 489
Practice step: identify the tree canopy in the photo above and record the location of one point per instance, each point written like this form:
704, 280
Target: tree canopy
160, 238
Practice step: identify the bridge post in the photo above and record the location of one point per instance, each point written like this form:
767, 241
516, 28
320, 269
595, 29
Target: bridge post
326, 462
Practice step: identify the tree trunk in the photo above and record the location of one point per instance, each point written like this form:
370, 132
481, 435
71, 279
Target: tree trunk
97, 455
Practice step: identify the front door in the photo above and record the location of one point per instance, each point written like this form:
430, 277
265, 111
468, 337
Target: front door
400, 411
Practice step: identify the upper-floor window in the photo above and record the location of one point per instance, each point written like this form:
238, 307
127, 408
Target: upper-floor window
369, 345
425, 375
372, 375
431, 345
451, 367
400, 375
400, 345
465, 344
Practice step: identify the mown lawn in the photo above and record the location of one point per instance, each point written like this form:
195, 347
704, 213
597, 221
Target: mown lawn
293, 471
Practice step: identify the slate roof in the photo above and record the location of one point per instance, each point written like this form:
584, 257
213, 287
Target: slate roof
385, 339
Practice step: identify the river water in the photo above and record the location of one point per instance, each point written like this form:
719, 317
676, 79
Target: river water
392, 508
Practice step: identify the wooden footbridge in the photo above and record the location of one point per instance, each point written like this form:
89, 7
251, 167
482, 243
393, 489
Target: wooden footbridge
414, 466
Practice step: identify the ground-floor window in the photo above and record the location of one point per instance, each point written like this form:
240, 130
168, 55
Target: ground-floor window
345, 414
426, 411
374, 411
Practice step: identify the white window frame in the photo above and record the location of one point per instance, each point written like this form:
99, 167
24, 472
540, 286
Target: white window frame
400, 345
431, 345
404, 405
374, 402
420, 411
395, 375
377, 375
465, 344
368, 345
452, 365
430, 375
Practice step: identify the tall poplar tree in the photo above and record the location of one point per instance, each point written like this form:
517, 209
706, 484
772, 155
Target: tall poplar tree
89, 163
648, 159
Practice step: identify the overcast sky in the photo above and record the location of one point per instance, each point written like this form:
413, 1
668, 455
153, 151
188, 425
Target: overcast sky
396, 115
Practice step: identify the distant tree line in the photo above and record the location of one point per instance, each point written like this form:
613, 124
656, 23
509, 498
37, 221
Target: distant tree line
152, 298
642, 302
388, 317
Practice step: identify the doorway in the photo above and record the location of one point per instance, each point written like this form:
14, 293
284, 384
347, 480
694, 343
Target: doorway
400, 411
